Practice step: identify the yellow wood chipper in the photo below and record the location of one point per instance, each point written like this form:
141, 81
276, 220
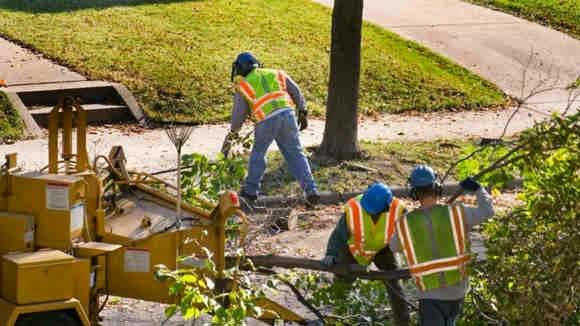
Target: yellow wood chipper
71, 235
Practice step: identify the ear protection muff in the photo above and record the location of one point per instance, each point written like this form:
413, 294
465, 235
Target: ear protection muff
413, 194
437, 188
234, 71
412, 190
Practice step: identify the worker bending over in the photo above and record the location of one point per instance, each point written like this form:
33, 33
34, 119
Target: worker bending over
269, 96
362, 236
434, 239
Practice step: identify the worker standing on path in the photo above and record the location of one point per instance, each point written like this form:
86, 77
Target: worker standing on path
362, 236
434, 240
268, 95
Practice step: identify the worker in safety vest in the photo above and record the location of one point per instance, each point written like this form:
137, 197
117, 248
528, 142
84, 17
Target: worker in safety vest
434, 239
268, 96
362, 236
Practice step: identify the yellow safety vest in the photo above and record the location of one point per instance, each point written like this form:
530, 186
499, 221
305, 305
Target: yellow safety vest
448, 231
367, 238
265, 91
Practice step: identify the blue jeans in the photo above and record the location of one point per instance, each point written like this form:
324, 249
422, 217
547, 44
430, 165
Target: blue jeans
439, 312
282, 128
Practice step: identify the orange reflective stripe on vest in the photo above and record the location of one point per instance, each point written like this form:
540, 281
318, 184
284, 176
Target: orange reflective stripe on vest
268, 98
282, 80
265, 92
459, 234
439, 265
450, 262
250, 95
395, 211
357, 223
406, 243
458, 229
369, 235
247, 90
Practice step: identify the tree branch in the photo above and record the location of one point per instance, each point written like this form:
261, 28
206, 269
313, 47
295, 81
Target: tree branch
356, 271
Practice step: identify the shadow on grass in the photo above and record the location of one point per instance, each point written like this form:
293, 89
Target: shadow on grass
55, 6
278, 179
390, 163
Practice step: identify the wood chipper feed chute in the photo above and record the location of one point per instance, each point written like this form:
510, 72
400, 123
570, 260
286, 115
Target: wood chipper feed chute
113, 226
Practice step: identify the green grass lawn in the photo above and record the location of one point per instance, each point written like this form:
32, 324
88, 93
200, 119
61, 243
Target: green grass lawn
180, 52
563, 15
10, 124
392, 161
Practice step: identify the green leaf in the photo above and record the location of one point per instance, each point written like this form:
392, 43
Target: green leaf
189, 278
170, 311
192, 313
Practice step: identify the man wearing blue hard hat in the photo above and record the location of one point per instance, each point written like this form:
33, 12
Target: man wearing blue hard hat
269, 97
362, 236
434, 239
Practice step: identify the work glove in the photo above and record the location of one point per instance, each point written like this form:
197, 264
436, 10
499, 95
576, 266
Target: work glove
303, 119
227, 145
329, 261
470, 184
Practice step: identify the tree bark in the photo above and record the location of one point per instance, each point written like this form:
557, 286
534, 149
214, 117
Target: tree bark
340, 134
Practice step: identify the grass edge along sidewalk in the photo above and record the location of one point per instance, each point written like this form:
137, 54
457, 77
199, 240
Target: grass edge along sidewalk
179, 53
563, 15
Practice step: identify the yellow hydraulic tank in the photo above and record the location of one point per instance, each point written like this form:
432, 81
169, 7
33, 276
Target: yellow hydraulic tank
57, 203
36, 277
16, 232
83, 281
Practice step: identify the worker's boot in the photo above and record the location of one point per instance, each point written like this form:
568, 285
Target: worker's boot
247, 199
313, 199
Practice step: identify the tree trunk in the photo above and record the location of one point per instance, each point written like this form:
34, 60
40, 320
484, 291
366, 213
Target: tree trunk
340, 134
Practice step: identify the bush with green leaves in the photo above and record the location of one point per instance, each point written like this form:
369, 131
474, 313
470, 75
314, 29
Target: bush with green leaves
360, 303
482, 158
532, 272
11, 126
207, 178
197, 294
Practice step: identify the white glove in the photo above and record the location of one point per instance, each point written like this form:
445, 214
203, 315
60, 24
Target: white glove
328, 261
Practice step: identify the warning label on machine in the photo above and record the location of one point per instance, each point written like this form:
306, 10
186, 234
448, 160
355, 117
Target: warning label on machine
57, 197
28, 236
77, 217
137, 260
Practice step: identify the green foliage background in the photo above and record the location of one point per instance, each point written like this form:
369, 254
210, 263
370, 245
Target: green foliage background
208, 178
11, 127
196, 294
532, 274
497, 179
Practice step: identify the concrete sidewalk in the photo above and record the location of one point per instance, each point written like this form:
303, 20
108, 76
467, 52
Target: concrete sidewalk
20, 66
160, 153
493, 44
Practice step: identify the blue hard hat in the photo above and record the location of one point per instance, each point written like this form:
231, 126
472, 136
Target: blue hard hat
376, 198
422, 176
244, 64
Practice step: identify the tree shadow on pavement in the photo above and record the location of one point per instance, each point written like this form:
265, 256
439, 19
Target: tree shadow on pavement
56, 6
